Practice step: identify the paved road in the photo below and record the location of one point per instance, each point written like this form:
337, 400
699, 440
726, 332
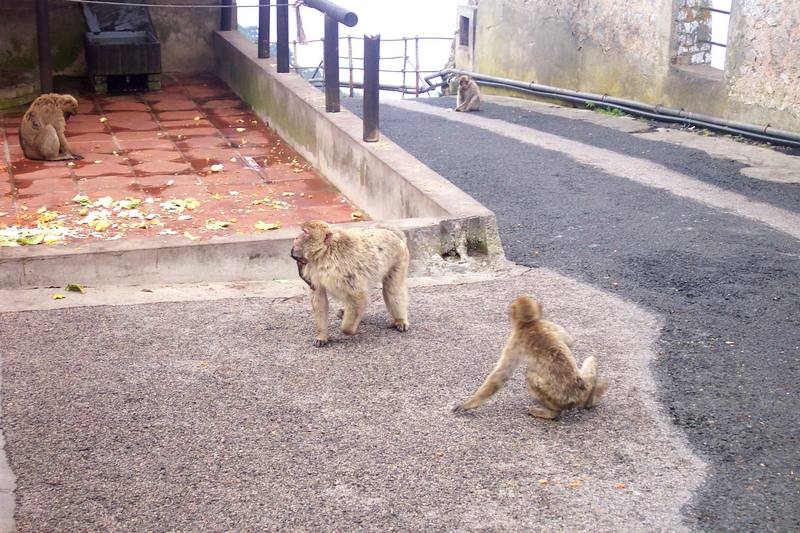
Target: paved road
726, 281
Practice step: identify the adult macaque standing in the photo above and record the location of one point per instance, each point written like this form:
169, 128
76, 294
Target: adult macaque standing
553, 377
345, 263
41, 133
469, 96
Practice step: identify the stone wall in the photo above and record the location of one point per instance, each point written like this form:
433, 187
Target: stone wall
648, 50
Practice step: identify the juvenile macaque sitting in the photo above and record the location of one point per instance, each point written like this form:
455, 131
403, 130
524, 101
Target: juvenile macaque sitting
469, 96
554, 380
41, 133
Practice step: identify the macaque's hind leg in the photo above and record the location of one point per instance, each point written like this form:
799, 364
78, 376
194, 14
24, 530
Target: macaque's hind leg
395, 295
543, 412
48, 146
354, 307
319, 308
600, 387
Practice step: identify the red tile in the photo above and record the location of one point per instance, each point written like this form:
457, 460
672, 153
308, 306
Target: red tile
202, 142
88, 137
141, 156
166, 116
113, 186
38, 172
122, 116
180, 134
134, 125
124, 105
102, 169
123, 136
158, 143
176, 104
166, 180
160, 167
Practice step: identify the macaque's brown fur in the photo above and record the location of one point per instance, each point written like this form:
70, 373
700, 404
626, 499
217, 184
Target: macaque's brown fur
344, 263
554, 380
41, 133
469, 96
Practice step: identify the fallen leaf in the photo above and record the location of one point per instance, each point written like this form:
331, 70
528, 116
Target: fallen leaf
216, 224
36, 238
196, 118
190, 236
543, 482
100, 225
103, 119
74, 287
240, 130
71, 164
287, 194
357, 215
3, 213
83, 212
217, 167
58, 296
192, 204
232, 160
619, 486
97, 161
106, 201
575, 484
263, 226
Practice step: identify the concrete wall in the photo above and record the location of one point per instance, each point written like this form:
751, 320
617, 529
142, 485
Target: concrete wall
641, 49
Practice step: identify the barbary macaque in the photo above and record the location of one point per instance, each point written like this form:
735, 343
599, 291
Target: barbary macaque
41, 133
345, 263
553, 377
469, 96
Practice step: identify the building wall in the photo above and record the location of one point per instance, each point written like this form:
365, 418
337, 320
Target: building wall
643, 50
185, 36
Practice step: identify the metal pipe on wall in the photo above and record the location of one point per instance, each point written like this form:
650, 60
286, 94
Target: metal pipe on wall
226, 17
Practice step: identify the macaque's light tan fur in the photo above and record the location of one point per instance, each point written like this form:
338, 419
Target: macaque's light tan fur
41, 133
345, 263
554, 380
469, 96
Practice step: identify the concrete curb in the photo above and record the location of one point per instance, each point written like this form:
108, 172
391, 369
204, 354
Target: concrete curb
444, 226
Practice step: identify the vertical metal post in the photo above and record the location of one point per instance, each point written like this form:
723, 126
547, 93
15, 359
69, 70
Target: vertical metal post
331, 58
416, 66
263, 28
283, 35
350, 61
294, 54
405, 64
372, 59
43, 42
226, 17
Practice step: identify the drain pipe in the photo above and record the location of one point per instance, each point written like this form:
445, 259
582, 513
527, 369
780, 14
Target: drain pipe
657, 112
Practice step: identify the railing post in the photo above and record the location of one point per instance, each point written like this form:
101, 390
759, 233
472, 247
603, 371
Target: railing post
416, 66
350, 61
372, 57
43, 43
331, 58
405, 64
283, 35
263, 28
226, 17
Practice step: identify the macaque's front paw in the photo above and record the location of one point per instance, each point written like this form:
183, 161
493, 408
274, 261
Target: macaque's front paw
401, 325
77, 157
319, 343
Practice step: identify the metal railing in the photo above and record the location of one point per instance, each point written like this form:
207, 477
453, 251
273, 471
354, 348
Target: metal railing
409, 66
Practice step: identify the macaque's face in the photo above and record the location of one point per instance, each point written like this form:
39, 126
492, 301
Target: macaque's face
463, 82
69, 106
298, 253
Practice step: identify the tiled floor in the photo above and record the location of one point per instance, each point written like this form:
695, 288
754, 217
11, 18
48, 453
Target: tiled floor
150, 148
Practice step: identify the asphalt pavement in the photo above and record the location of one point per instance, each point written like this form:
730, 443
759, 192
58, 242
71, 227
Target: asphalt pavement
222, 416
726, 287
